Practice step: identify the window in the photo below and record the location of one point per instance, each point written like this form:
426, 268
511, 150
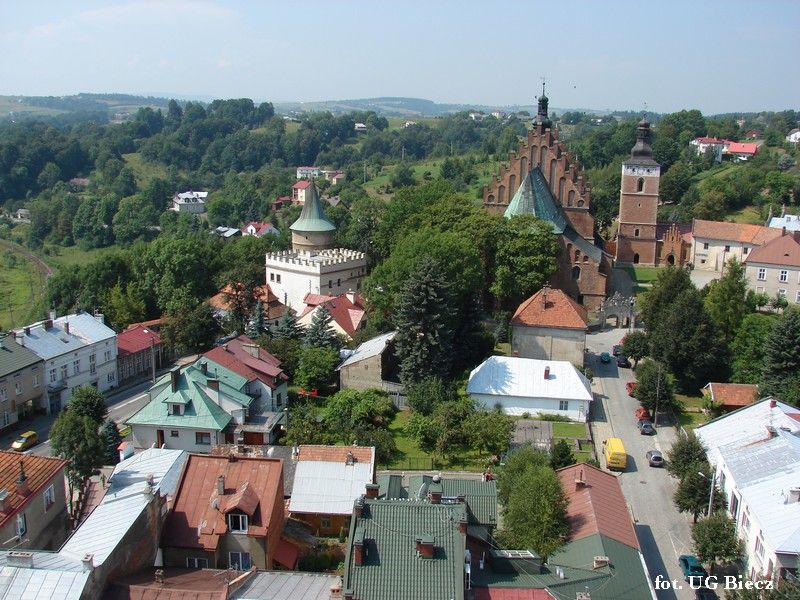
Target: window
745, 521
272, 276
173, 433
237, 523
239, 561
202, 438
640, 185
576, 273
563, 405
52, 375
196, 563
636, 232
49, 498
110, 377
325, 523
177, 409
330, 283
277, 278
18, 388
705, 246
279, 400
782, 293
35, 381
76, 367
63, 372
759, 547
3, 394
762, 274
6, 419
783, 277
22, 525
733, 506
745, 250
727, 248
760, 289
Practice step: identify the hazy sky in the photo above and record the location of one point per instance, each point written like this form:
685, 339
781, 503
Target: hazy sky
717, 56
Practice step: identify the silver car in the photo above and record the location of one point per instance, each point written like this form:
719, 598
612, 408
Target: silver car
655, 458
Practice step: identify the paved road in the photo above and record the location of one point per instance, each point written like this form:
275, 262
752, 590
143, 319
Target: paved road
663, 533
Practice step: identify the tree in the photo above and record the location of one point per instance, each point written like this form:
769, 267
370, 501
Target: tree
780, 376
561, 455
425, 395
715, 540
654, 388
423, 320
288, 351
74, 437
748, 348
489, 431
348, 411
132, 219
255, 325
319, 332
669, 283
636, 346
124, 305
287, 327
517, 462
111, 440
317, 367
190, 331
685, 453
535, 515
402, 176
87, 401
726, 300
693, 492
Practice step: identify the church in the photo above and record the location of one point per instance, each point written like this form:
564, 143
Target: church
542, 179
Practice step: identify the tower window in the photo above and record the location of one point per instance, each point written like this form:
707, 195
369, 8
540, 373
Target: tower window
636, 232
636, 259
640, 185
576, 273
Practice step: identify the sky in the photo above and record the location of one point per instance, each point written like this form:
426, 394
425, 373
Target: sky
718, 56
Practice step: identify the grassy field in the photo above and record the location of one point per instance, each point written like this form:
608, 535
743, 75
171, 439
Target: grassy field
59, 256
690, 420
569, 430
143, 171
748, 214
21, 287
643, 278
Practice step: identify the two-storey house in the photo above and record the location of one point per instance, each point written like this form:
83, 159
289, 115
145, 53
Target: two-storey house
716, 242
774, 269
21, 381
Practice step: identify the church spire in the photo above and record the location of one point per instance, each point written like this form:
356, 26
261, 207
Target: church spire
642, 147
542, 119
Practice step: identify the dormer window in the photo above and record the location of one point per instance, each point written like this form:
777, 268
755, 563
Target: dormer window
237, 523
176, 409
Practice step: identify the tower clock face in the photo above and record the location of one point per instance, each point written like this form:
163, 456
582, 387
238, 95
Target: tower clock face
641, 171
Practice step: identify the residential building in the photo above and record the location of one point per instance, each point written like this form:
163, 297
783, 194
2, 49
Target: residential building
308, 172
228, 513
266, 380
327, 480
741, 150
335, 177
731, 396
258, 229
348, 312
302, 190
787, 222
709, 144
774, 268
223, 301
537, 387
360, 128
139, 354
793, 137
190, 202
227, 233
77, 349
716, 242
22, 214
550, 326
200, 406
372, 365
33, 504
22, 382
752, 134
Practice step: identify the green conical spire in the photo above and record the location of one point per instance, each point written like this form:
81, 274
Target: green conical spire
312, 218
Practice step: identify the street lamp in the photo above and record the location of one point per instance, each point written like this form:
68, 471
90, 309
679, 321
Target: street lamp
713, 480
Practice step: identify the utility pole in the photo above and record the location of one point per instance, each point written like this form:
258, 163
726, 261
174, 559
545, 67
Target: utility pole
658, 394
711, 494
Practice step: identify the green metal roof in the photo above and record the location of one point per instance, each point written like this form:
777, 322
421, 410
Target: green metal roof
391, 567
480, 496
14, 357
535, 198
312, 217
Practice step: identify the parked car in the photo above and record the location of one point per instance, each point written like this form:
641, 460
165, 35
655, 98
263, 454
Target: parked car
630, 387
617, 350
705, 593
642, 414
655, 458
622, 361
605, 357
25, 440
691, 567
646, 427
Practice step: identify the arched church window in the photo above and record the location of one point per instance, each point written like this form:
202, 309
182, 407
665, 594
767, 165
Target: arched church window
576, 273
640, 185
523, 167
577, 255
581, 202
501, 194
512, 185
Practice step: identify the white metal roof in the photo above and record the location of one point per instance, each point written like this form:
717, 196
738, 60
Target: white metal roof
524, 378
48, 343
287, 585
328, 488
18, 583
368, 349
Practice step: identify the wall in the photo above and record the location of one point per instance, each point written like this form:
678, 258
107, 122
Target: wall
337, 523
237, 542
549, 343
637, 214
772, 284
104, 368
364, 374
137, 365
176, 557
514, 405
144, 436
47, 529
12, 405
297, 280
715, 256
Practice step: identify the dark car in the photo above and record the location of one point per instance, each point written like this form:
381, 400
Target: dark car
605, 357
704, 593
691, 567
646, 427
616, 350
655, 458
622, 361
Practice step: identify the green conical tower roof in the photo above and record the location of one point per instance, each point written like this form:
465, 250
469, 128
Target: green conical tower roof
312, 218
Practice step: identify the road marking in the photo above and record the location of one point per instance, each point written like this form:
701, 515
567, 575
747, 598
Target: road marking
124, 404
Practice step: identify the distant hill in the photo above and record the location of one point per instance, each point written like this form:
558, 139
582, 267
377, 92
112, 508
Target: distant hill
22, 107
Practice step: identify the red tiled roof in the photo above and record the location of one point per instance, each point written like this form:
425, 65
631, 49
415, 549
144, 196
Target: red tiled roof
273, 308
346, 313
286, 554
734, 232
504, 593
152, 323
596, 505
742, 148
236, 356
178, 584
551, 307
197, 520
365, 454
135, 339
733, 394
39, 472
303, 184
783, 251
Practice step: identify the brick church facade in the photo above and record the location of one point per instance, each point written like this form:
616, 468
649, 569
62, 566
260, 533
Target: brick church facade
542, 179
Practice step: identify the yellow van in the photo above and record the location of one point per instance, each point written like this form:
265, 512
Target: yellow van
616, 457
25, 441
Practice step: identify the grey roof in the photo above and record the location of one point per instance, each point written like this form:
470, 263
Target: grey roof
18, 583
535, 198
14, 357
312, 217
285, 454
368, 349
287, 585
328, 487
49, 342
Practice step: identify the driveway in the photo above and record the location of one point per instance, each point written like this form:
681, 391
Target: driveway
663, 533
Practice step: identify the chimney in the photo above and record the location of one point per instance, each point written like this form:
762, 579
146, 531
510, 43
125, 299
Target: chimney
48, 324
22, 482
358, 507
358, 547
579, 480
52, 315
349, 459
547, 372
436, 496
225, 347
221, 485
351, 296
783, 231
213, 383
20, 559
794, 495
204, 368
125, 450
251, 349
515, 353
27, 331
424, 545
462, 524
66, 327
336, 589
88, 561
372, 490
4, 502
772, 403
159, 576
173, 377
349, 594
600, 561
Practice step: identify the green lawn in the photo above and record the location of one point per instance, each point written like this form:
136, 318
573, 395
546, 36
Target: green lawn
749, 214
690, 402
643, 277
20, 291
569, 430
503, 349
60, 256
690, 420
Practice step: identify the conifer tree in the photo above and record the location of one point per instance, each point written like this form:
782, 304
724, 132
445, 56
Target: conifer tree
319, 333
287, 327
781, 374
255, 326
111, 439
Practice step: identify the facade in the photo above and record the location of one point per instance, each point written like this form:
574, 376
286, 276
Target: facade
22, 383
774, 268
327, 480
536, 387
258, 229
77, 350
335, 177
308, 172
549, 326
302, 190
33, 504
543, 179
190, 202
348, 312
709, 144
715, 242
139, 354
372, 365
228, 513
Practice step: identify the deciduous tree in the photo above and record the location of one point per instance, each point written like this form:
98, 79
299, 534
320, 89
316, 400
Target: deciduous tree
636, 346
317, 367
715, 540
654, 388
726, 300
748, 348
693, 492
88, 401
685, 453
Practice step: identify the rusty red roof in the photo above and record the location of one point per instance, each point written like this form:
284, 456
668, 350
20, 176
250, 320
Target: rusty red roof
178, 584
742, 148
734, 232
783, 251
733, 394
244, 357
596, 505
39, 473
347, 310
362, 454
273, 308
135, 339
551, 307
303, 184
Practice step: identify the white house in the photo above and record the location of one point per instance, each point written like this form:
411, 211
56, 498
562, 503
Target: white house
190, 202
714, 243
360, 128
526, 385
774, 268
710, 144
793, 137
77, 349
787, 222
308, 172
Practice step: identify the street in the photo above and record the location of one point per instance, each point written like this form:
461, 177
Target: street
663, 533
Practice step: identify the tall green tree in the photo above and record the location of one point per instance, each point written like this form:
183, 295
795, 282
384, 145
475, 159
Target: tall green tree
726, 300
669, 284
489, 431
748, 348
88, 401
685, 454
111, 439
715, 540
319, 333
693, 492
654, 388
780, 376
561, 455
424, 339
425, 395
636, 346
287, 327
517, 462
316, 368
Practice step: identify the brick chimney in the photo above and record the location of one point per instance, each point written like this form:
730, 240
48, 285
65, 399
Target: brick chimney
358, 547
22, 482
27, 331
221, 485
424, 545
436, 496
372, 490
48, 324
5, 504
204, 368
66, 327
173, 378
773, 403
547, 372
579, 480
